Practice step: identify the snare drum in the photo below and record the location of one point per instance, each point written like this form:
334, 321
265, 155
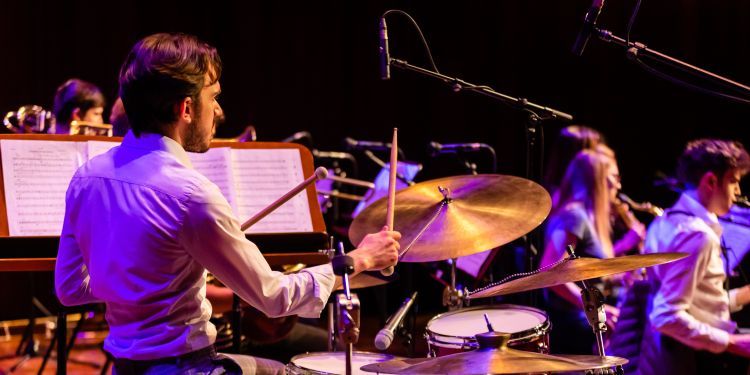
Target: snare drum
325, 363
454, 331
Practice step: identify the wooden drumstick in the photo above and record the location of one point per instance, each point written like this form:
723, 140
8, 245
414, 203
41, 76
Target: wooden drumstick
320, 174
390, 213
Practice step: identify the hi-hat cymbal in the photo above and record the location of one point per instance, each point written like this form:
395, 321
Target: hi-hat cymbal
495, 360
577, 269
484, 212
368, 279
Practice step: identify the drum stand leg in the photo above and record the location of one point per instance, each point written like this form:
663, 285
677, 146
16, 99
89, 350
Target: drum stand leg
452, 297
347, 306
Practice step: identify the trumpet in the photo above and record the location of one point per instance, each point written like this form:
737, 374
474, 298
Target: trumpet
348, 181
641, 206
742, 201
90, 128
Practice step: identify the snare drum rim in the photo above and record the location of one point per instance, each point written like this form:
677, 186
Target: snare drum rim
307, 371
470, 342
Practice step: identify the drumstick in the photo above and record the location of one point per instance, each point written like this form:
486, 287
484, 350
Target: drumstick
390, 214
320, 174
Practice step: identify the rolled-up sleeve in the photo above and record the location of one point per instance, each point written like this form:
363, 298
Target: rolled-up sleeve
670, 314
212, 235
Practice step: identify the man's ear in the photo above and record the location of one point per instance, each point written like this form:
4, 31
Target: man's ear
185, 109
76, 114
709, 181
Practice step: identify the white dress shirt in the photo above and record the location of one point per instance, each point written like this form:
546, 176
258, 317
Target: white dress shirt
691, 304
141, 228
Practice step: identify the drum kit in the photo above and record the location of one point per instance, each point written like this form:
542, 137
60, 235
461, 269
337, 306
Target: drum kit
457, 216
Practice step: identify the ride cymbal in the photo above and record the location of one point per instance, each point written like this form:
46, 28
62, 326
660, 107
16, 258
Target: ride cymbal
457, 216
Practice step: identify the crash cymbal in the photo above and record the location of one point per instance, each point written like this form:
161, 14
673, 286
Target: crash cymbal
577, 269
393, 366
484, 212
494, 357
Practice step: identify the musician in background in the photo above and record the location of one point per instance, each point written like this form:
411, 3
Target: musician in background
142, 226
690, 330
571, 140
580, 217
77, 100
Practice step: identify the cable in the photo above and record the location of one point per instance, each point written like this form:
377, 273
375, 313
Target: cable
687, 85
421, 35
632, 21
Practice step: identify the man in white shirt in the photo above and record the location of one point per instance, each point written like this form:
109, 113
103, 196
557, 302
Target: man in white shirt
691, 331
142, 226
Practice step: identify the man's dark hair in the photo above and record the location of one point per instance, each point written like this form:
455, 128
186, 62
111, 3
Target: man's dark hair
710, 155
159, 72
76, 93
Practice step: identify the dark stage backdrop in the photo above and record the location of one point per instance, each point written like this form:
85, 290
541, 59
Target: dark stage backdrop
293, 66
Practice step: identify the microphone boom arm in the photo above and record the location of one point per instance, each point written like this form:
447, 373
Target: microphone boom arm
461, 85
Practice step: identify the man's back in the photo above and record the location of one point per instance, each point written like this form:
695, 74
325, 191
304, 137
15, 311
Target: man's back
126, 209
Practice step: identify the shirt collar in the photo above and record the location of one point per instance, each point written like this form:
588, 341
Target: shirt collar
689, 204
157, 142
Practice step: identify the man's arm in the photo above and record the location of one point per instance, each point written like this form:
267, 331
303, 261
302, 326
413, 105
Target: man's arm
212, 235
71, 275
672, 301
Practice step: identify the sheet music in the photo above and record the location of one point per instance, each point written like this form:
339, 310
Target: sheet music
472, 264
216, 165
261, 177
96, 148
36, 175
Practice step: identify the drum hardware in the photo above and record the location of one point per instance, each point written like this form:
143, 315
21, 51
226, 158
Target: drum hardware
593, 305
329, 363
347, 306
453, 298
495, 357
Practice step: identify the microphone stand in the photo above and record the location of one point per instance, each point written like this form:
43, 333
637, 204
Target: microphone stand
636, 50
534, 135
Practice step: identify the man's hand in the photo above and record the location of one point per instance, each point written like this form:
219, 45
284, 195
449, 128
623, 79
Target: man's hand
376, 251
739, 344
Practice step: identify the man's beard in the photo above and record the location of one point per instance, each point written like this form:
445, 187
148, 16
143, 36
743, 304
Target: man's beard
195, 140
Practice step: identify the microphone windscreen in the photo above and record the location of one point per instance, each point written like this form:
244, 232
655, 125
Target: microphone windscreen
383, 339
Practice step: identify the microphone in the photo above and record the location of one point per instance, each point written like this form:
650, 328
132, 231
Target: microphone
332, 155
385, 336
438, 148
354, 144
589, 22
298, 136
385, 56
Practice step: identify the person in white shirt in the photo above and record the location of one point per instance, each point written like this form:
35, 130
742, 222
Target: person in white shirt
691, 331
142, 227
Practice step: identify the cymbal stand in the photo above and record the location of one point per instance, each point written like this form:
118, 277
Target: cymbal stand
593, 305
453, 298
347, 306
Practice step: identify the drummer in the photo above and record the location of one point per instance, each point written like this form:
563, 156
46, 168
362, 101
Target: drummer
142, 226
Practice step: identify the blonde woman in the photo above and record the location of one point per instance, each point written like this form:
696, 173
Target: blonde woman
581, 218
